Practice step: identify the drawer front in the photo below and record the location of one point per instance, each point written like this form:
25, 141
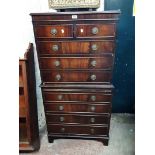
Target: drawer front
54, 31
76, 76
76, 47
95, 30
80, 107
73, 129
86, 97
76, 63
79, 119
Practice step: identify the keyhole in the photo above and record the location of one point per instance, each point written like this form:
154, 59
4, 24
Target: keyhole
81, 30
62, 31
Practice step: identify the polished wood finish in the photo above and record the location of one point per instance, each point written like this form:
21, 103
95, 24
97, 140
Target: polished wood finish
62, 31
28, 120
69, 107
74, 47
76, 76
77, 118
105, 62
104, 30
78, 96
76, 58
82, 129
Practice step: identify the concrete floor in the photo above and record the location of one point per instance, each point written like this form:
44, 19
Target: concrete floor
122, 141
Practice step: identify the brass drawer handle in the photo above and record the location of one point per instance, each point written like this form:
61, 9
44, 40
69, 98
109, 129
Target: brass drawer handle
93, 77
55, 48
92, 120
92, 108
57, 63
94, 47
62, 119
92, 131
94, 30
62, 129
54, 31
61, 107
93, 98
59, 97
58, 77
93, 63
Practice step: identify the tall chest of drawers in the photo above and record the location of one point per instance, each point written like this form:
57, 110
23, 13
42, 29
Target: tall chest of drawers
76, 58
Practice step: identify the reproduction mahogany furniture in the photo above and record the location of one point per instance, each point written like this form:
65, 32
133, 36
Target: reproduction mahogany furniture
76, 56
28, 120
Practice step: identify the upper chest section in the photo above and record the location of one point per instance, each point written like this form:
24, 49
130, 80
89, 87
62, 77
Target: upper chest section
75, 25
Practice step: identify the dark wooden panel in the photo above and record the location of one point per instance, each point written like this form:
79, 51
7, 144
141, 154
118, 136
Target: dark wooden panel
76, 47
77, 119
76, 76
73, 129
22, 106
76, 62
104, 30
61, 31
61, 96
23, 136
28, 120
80, 107
21, 83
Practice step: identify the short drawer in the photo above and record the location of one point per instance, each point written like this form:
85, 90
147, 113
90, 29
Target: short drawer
77, 119
75, 47
53, 31
78, 96
105, 62
74, 129
77, 107
76, 76
95, 30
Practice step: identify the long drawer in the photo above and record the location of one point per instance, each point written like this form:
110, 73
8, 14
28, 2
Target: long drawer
74, 129
105, 62
77, 119
70, 107
76, 96
75, 47
76, 76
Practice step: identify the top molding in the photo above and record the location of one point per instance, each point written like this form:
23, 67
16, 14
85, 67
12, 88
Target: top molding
68, 13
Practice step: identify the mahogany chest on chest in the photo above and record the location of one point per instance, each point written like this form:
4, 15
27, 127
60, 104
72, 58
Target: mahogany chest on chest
76, 55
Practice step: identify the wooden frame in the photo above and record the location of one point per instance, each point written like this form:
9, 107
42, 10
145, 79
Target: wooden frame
28, 120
